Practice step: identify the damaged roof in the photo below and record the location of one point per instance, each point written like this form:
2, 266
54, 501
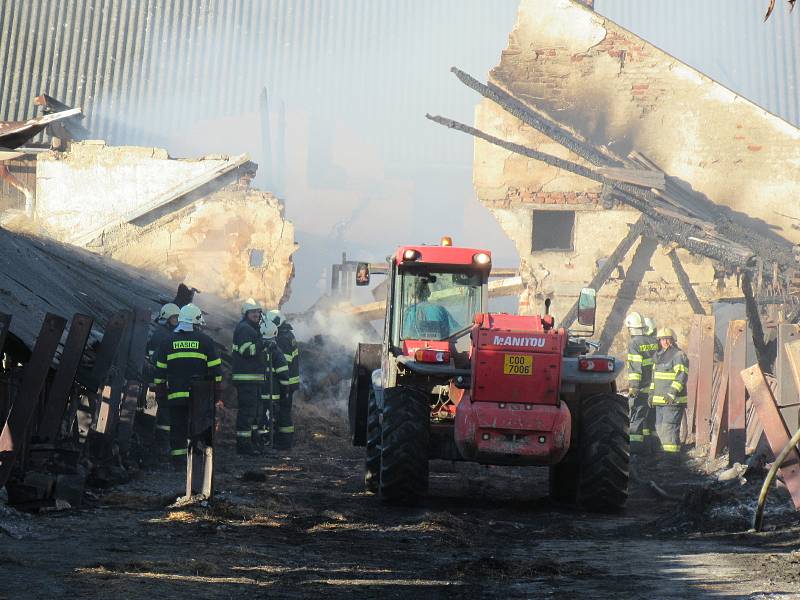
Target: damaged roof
39, 275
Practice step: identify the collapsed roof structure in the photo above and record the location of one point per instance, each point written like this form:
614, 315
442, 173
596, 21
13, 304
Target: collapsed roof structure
583, 119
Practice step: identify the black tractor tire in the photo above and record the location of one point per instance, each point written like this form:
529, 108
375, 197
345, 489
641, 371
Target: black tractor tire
372, 466
405, 445
604, 453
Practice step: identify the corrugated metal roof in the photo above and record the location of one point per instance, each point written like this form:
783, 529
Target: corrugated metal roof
728, 41
146, 70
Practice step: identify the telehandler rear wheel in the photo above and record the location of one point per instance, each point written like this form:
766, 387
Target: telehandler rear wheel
372, 467
604, 453
404, 449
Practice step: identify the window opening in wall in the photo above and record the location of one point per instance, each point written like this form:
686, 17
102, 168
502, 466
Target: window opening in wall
553, 230
256, 258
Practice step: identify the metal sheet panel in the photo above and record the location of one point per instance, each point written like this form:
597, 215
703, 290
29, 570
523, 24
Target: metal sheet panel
146, 70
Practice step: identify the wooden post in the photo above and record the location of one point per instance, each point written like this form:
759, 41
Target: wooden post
719, 422
736, 358
693, 354
705, 376
788, 392
774, 428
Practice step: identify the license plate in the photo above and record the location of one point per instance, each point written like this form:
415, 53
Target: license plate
517, 364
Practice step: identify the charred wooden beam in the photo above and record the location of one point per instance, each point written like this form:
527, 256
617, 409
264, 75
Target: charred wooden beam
686, 285
14, 431
604, 272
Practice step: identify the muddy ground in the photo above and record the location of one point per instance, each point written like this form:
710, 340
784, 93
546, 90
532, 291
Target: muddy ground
299, 525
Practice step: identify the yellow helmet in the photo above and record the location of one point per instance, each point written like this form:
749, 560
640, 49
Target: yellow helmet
666, 332
249, 305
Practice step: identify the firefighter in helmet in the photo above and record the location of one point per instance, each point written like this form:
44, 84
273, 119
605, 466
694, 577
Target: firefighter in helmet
284, 436
668, 390
275, 394
186, 355
166, 322
641, 349
248, 375
649, 429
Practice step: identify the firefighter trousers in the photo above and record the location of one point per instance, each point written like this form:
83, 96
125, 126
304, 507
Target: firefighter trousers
246, 418
284, 434
668, 426
179, 428
640, 414
162, 421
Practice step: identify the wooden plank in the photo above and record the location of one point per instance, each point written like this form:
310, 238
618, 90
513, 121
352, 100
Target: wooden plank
719, 421
693, 354
736, 360
641, 177
59, 391
705, 377
14, 431
774, 428
788, 393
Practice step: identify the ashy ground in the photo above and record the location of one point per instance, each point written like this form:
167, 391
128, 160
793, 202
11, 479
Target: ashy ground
299, 525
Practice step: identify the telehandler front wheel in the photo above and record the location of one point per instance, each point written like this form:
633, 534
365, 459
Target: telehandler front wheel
604, 453
405, 442
372, 466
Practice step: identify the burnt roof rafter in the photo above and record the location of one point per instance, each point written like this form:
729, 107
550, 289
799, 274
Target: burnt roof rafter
674, 215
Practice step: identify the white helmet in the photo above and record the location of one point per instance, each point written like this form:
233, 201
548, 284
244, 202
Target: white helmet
650, 326
634, 321
168, 311
276, 316
249, 305
268, 329
191, 314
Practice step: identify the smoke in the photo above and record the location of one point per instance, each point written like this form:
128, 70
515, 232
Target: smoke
328, 338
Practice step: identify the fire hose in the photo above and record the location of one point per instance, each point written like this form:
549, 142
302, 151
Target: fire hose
758, 518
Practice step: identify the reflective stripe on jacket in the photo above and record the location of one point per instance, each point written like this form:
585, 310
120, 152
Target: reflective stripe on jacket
247, 352
277, 371
288, 345
185, 356
670, 373
641, 350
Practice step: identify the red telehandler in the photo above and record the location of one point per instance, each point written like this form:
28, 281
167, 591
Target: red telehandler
452, 381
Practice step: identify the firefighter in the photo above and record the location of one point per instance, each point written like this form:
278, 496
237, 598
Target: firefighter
649, 429
166, 322
641, 349
187, 355
668, 390
284, 436
277, 387
248, 375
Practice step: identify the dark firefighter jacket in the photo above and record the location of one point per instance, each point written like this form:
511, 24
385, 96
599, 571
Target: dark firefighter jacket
160, 334
670, 372
277, 371
641, 350
248, 353
183, 357
288, 344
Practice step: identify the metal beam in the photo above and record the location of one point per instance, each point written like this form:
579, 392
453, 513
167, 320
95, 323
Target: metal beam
33, 379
